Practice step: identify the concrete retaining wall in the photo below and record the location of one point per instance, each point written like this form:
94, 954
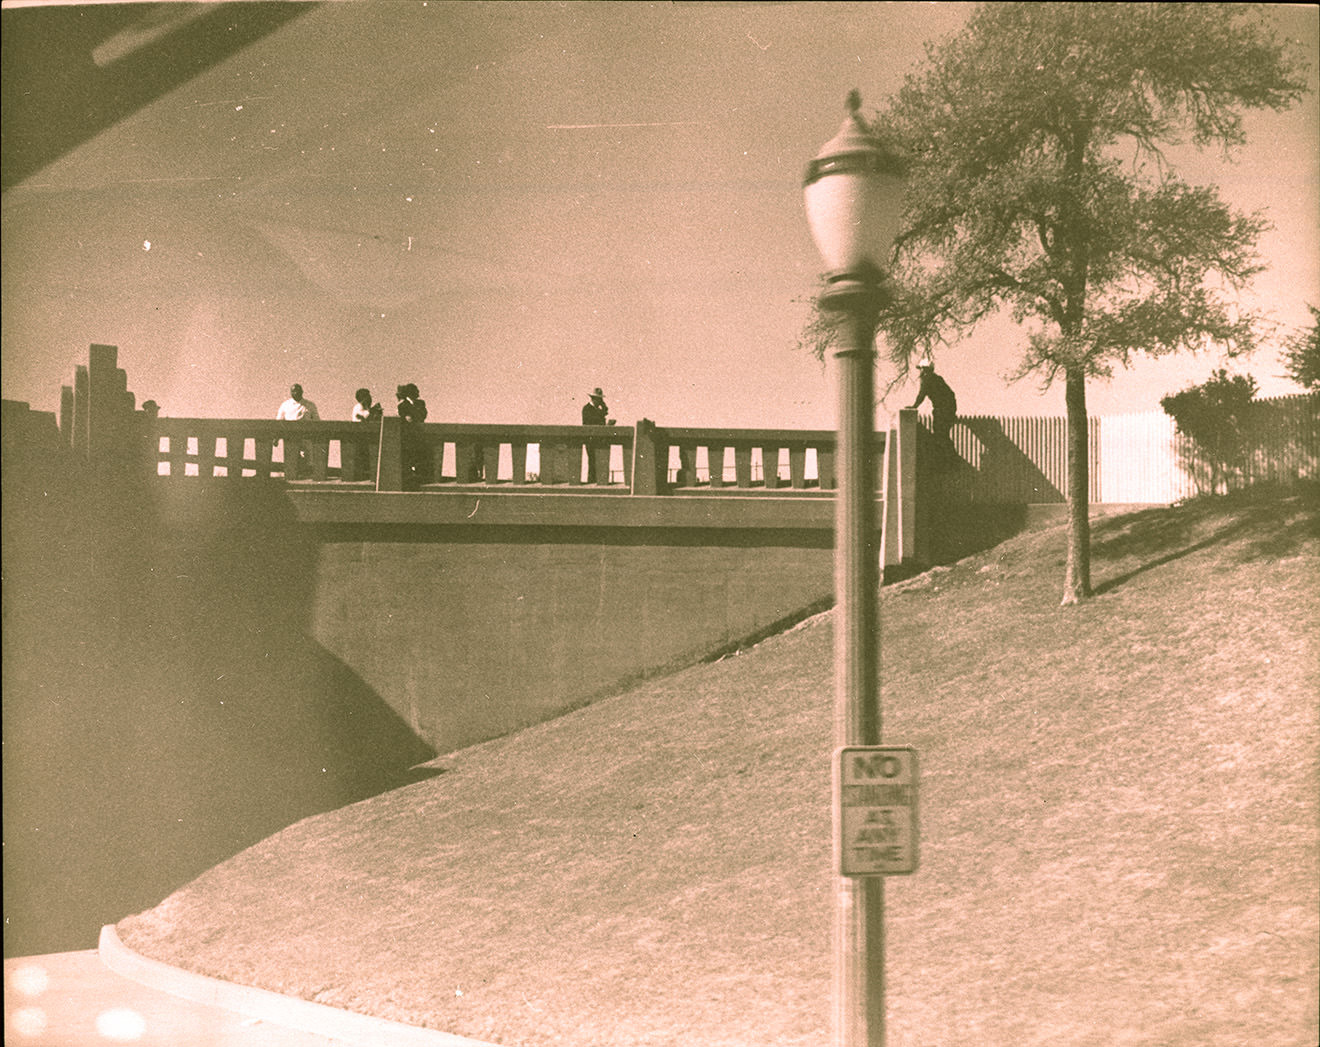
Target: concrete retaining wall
469, 637
472, 615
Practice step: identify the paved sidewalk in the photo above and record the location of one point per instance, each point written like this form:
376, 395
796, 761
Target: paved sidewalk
71, 999
76, 999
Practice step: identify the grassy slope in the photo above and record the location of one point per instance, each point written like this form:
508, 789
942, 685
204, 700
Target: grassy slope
1119, 828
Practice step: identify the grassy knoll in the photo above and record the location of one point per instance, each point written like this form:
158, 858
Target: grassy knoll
1119, 828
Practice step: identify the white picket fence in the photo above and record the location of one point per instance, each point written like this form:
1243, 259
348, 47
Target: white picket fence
1134, 458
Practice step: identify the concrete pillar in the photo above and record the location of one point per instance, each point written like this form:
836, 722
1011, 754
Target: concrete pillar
646, 459
389, 459
900, 543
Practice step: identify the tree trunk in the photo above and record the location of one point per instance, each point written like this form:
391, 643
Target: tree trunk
1077, 580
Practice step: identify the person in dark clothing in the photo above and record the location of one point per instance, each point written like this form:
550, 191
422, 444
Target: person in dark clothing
937, 391
595, 412
412, 409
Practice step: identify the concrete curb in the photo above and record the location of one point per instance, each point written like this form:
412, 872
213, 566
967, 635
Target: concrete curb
348, 1027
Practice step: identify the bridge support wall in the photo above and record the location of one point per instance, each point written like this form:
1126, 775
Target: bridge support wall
468, 636
474, 615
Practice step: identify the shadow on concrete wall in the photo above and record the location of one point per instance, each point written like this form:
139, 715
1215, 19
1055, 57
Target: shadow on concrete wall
164, 705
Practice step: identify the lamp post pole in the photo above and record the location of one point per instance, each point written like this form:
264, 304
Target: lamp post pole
859, 933
853, 193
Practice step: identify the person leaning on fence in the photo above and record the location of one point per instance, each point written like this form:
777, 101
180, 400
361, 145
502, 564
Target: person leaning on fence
942, 401
365, 410
412, 409
595, 412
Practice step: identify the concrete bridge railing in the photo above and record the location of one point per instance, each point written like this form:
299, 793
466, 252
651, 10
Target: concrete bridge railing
392, 455
389, 455
787, 474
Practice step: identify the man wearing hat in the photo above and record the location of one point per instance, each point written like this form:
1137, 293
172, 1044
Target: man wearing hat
936, 389
594, 412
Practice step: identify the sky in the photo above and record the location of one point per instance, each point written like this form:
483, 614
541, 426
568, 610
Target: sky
509, 204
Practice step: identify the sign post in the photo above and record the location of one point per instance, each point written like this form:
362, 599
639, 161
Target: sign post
875, 810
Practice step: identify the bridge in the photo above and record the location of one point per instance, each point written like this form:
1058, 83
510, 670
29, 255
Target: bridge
479, 578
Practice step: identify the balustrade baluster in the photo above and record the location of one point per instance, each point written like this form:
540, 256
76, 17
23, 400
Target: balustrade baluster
292, 463
715, 463
600, 458
518, 456
572, 465
490, 460
352, 452
742, 464
262, 454
207, 456
434, 462
825, 468
770, 467
245, 462
389, 456
465, 460
368, 450
687, 465
234, 455
554, 462
319, 453
797, 466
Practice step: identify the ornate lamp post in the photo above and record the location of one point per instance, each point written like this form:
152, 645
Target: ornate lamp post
854, 195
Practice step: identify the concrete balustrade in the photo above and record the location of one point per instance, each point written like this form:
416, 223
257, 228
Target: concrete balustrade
98, 422
117, 444
645, 459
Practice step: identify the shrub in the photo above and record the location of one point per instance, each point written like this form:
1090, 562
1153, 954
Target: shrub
1213, 415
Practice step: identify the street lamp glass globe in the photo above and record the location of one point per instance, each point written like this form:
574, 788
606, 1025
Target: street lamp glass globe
854, 198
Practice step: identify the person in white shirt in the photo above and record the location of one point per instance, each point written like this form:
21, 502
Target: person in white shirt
297, 408
365, 409
297, 453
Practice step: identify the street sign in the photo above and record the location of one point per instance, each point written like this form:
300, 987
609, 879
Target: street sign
875, 810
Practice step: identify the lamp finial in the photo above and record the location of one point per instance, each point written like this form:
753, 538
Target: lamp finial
854, 101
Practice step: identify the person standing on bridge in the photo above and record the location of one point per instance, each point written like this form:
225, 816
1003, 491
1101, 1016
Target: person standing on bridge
365, 410
412, 409
937, 391
297, 408
595, 412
